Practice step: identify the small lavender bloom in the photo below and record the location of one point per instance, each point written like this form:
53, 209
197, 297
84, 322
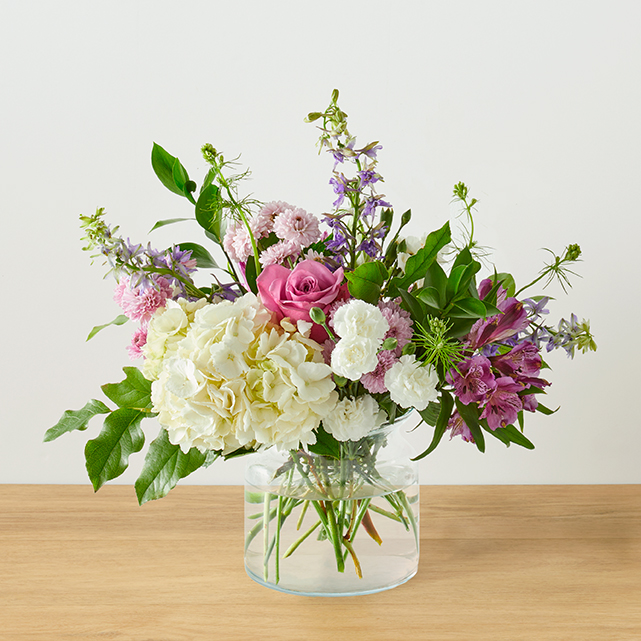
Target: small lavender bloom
372, 203
370, 247
339, 184
372, 151
536, 309
368, 177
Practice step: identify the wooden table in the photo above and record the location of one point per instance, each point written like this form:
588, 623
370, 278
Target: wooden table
497, 562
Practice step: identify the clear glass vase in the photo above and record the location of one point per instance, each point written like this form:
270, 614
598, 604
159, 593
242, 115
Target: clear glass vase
326, 526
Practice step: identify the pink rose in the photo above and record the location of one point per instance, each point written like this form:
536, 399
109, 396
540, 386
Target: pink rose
292, 293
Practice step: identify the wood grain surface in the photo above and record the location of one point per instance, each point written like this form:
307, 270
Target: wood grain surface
497, 562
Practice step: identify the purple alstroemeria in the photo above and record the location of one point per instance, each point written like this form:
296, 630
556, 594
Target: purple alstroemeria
497, 328
504, 404
524, 359
530, 402
474, 380
484, 289
457, 427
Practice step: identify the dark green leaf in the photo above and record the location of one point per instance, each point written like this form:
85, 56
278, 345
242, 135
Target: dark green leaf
119, 320
520, 420
430, 296
241, 451
108, 454
326, 444
181, 180
76, 419
437, 279
169, 170
460, 327
546, 410
413, 306
468, 308
134, 392
204, 259
470, 414
209, 212
169, 221
513, 435
454, 281
366, 280
447, 404
507, 281
417, 265
165, 465
250, 274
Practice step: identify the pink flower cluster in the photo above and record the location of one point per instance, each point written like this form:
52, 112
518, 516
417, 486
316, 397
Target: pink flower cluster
293, 226
139, 304
400, 328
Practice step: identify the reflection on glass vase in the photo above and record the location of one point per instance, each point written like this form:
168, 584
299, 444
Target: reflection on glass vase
326, 526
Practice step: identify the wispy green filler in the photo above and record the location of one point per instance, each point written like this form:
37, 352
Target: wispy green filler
439, 349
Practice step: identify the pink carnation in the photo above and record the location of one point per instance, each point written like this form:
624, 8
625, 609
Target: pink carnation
374, 381
400, 324
263, 223
140, 304
138, 341
279, 252
297, 226
237, 242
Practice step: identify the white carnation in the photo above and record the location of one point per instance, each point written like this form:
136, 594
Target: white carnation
358, 318
354, 356
354, 418
410, 384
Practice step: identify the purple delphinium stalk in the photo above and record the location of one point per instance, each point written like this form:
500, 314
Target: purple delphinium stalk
474, 380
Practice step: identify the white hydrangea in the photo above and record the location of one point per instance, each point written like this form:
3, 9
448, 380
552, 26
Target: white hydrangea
354, 418
354, 356
410, 384
233, 379
358, 318
166, 329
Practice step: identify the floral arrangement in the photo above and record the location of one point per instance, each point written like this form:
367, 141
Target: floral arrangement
314, 332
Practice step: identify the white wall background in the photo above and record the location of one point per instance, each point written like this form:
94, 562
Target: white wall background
535, 105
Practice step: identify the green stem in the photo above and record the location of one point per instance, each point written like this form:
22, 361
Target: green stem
300, 539
266, 519
335, 536
410, 514
279, 512
302, 515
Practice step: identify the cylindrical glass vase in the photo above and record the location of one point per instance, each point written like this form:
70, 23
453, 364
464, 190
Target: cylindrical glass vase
341, 524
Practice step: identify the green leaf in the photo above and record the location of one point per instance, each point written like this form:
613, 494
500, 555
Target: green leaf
134, 392
507, 281
108, 454
241, 451
437, 279
171, 173
469, 308
417, 265
430, 296
431, 413
119, 320
76, 419
447, 405
470, 414
204, 259
168, 221
250, 274
546, 410
209, 212
413, 306
326, 444
165, 464
366, 280
454, 281
512, 435
460, 278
